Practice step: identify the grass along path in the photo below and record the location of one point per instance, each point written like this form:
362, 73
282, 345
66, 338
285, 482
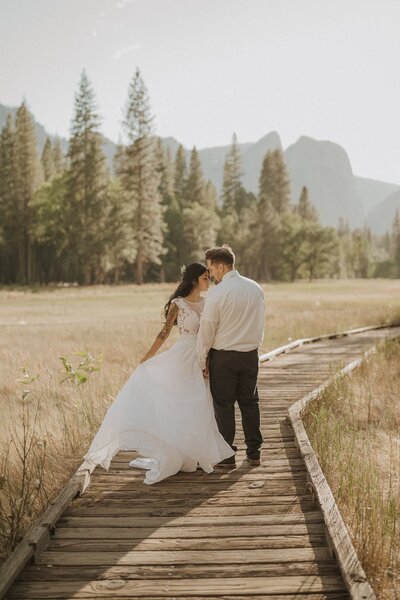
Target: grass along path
354, 428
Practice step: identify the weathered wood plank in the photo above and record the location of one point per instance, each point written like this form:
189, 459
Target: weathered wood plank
187, 501
343, 595
132, 533
216, 484
181, 587
225, 557
285, 488
218, 476
179, 571
191, 520
113, 510
78, 544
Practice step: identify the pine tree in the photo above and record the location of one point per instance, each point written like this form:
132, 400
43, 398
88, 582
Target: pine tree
230, 197
231, 186
279, 184
176, 256
47, 159
8, 203
118, 159
172, 214
119, 245
48, 230
298, 227
140, 179
322, 249
165, 170
86, 186
243, 236
199, 216
237, 211
344, 259
266, 240
194, 185
180, 176
395, 244
305, 208
29, 176
360, 253
295, 248
58, 157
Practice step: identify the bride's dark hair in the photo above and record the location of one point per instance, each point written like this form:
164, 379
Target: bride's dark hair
189, 278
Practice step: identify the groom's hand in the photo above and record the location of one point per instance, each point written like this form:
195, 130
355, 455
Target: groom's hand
206, 373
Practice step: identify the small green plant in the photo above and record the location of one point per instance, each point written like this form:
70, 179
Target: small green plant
80, 376
87, 365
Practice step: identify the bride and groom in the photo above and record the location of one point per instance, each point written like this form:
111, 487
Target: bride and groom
177, 409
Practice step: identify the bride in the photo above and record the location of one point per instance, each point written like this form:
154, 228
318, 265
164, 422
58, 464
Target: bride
165, 411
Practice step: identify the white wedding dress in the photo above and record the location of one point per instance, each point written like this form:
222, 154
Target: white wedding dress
164, 411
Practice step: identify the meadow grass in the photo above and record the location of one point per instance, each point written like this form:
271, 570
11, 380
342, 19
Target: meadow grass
354, 427
52, 399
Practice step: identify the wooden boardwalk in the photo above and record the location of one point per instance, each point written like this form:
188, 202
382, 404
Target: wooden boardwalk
233, 534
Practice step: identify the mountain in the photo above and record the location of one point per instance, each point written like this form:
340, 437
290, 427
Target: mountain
371, 192
325, 169
212, 160
380, 217
42, 134
323, 166
253, 156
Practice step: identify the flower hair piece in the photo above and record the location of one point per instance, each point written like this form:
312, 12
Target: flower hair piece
183, 269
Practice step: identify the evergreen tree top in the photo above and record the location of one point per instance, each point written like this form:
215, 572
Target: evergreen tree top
138, 122
85, 116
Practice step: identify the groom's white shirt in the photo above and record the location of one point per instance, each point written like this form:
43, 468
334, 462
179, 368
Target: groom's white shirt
232, 318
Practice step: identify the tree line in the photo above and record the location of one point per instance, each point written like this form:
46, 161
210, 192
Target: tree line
67, 218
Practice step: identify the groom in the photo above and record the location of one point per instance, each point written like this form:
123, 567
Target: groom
231, 331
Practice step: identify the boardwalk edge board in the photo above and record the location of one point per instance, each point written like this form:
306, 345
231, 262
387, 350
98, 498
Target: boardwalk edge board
330, 336
339, 540
40, 533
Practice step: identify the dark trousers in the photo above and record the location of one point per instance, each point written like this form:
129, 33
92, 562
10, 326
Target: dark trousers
233, 377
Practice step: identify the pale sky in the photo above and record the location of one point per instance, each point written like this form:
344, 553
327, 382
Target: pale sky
329, 69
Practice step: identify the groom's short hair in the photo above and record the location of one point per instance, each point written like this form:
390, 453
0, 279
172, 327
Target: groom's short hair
221, 254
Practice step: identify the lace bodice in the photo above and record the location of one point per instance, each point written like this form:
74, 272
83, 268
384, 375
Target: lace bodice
189, 315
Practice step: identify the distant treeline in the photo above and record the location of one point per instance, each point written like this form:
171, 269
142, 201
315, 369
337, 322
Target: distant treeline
68, 219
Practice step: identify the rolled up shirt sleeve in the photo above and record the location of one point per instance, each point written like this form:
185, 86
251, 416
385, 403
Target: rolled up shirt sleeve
208, 326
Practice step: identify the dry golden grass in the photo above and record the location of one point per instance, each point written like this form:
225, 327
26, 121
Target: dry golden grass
119, 325
355, 429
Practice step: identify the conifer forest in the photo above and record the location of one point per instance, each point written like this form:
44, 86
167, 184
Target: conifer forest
69, 218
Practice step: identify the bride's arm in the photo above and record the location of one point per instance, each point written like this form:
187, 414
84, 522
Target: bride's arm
164, 333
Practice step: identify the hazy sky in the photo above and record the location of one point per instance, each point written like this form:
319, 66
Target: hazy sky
329, 69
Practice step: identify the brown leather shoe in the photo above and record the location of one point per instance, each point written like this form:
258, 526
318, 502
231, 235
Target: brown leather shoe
254, 462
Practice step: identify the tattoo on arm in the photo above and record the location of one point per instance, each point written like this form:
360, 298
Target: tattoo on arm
169, 323
163, 334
